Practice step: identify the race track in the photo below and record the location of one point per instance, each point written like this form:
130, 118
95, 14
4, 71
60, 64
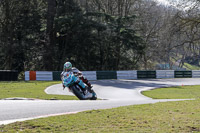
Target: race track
115, 93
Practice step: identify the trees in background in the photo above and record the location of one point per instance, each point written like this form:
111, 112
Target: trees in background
96, 40
171, 36
96, 34
42, 35
187, 31
20, 24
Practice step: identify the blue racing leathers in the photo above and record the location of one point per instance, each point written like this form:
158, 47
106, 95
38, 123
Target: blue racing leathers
69, 78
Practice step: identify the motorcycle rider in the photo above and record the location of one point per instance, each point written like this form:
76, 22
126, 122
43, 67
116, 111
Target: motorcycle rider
68, 69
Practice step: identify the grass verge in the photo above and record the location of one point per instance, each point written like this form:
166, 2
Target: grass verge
177, 117
30, 89
179, 92
174, 117
191, 67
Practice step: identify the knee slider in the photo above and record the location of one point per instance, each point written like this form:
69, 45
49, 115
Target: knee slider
77, 81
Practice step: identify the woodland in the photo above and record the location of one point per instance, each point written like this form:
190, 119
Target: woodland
98, 34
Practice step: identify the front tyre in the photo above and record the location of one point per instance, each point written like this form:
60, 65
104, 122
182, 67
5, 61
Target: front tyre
77, 93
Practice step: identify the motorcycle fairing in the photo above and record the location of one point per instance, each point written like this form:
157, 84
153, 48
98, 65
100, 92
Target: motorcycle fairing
70, 78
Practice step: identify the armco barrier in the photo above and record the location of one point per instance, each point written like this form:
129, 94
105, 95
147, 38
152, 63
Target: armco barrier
106, 75
8, 75
49, 76
96, 75
27, 75
44, 76
30, 75
195, 73
127, 74
90, 75
160, 74
56, 75
146, 74
183, 74
38, 75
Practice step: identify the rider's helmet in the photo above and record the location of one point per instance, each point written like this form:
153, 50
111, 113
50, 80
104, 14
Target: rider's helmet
67, 66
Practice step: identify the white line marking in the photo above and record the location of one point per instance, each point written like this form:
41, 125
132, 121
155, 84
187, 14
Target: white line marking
37, 117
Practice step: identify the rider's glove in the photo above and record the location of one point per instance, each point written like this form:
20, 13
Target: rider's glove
63, 87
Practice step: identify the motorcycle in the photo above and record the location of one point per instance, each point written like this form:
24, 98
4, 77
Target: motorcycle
70, 82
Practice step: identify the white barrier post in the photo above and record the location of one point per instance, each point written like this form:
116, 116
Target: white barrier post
90, 75
195, 73
160, 74
27, 76
127, 74
44, 76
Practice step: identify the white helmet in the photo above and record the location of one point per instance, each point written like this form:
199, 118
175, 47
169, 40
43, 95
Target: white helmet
67, 65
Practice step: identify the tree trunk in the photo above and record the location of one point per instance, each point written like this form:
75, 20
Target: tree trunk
50, 36
8, 38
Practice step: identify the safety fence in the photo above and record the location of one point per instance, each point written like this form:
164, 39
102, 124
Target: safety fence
183, 74
146, 74
55, 75
106, 75
161, 74
99, 75
8, 75
195, 73
127, 74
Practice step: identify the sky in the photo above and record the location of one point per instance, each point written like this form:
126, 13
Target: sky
168, 2
165, 2
177, 3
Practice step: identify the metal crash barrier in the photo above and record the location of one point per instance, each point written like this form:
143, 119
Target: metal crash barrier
8, 75
183, 74
106, 75
146, 74
130, 74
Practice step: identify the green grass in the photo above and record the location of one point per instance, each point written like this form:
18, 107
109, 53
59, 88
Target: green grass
179, 92
30, 89
168, 117
191, 67
177, 117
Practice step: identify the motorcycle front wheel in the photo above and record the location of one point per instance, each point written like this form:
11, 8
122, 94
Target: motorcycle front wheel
77, 93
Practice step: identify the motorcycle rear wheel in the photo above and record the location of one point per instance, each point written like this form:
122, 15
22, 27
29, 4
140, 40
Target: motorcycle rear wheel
94, 97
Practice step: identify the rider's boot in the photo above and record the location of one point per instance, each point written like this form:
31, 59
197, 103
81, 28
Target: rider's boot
84, 88
87, 92
89, 87
87, 83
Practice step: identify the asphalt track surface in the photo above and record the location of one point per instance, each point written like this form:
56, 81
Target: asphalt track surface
115, 93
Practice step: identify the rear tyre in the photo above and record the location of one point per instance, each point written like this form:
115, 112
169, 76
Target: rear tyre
94, 97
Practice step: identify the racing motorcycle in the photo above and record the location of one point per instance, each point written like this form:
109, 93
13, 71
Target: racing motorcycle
76, 89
